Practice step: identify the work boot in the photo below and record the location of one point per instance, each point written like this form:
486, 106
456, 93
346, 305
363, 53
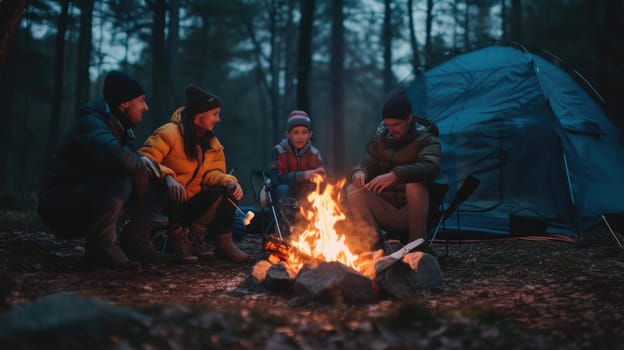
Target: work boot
197, 236
139, 249
111, 258
181, 246
145, 252
225, 247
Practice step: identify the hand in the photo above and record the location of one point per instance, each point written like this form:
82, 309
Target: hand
382, 182
235, 190
177, 192
140, 178
315, 175
359, 178
152, 166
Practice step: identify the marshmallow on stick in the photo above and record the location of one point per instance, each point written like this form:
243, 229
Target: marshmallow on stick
250, 214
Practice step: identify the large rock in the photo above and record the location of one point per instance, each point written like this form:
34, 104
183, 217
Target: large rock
257, 276
334, 282
279, 278
68, 315
416, 271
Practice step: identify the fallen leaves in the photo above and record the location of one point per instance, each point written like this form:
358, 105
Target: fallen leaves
496, 294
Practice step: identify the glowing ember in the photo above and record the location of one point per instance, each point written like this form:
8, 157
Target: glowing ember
320, 240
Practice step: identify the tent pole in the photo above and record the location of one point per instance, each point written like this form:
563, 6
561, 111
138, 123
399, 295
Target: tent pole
567, 173
612, 232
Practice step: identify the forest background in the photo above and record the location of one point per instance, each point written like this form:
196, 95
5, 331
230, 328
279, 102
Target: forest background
338, 60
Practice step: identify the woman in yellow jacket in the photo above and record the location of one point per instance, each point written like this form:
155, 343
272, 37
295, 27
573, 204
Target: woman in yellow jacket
192, 165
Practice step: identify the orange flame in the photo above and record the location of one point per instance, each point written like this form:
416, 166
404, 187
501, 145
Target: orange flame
320, 240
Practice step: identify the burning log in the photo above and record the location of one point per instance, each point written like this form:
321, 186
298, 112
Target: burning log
277, 247
282, 250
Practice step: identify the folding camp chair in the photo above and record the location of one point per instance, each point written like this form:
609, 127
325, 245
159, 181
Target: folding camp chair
263, 192
437, 192
437, 213
469, 185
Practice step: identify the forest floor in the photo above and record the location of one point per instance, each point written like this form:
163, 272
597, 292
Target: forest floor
497, 294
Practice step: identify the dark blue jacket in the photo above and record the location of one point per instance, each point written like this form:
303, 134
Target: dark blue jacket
97, 144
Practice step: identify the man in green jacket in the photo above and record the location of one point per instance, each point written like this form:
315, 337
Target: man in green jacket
389, 186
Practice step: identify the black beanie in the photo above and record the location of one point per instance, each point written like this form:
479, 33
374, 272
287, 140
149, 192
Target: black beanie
199, 100
119, 88
397, 106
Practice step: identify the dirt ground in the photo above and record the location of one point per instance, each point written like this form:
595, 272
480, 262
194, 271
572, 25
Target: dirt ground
502, 294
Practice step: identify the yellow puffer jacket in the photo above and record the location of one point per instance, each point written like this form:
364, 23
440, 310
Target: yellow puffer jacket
166, 147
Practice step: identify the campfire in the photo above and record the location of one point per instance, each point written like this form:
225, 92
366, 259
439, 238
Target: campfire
316, 259
319, 241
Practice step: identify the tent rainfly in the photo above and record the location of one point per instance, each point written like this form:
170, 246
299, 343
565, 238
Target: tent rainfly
543, 149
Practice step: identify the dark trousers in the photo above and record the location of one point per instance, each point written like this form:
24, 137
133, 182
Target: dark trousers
90, 209
208, 206
139, 216
211, 205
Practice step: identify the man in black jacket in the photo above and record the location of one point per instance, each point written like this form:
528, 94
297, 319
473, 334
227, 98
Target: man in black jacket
94, 173
389, 186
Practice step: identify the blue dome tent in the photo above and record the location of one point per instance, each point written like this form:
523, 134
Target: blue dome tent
541, 147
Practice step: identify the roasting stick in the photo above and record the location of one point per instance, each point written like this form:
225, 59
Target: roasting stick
250, 214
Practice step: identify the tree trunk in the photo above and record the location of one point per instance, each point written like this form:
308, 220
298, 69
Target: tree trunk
98, 52
8, 79
127, 30
274, 68
290, 63
482, 22
504, 19
387, 46
83, 83
10, 16
160, 69
516, 21
467, 25
428, 26
269, 129
304, 58
59, 56
609, 36
413, 40
338, 160
173, 41
455, 12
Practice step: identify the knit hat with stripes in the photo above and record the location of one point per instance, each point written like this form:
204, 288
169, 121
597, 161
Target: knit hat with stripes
298, 118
